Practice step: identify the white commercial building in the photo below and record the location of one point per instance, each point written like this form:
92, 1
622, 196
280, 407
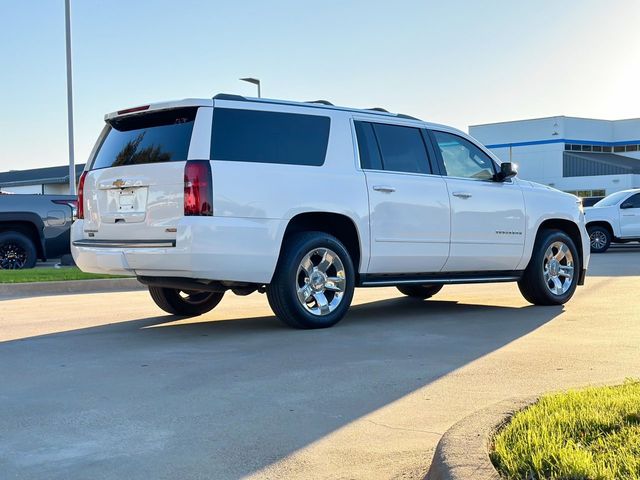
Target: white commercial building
584, 156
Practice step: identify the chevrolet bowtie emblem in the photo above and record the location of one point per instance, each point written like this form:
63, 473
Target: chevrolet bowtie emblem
119, 183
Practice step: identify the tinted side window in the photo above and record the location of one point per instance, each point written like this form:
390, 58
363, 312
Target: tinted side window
269, 137
634, 200
402, 148
462, 158
368, 147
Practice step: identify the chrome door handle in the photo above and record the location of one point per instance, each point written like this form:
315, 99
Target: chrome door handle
384, 188
461, 194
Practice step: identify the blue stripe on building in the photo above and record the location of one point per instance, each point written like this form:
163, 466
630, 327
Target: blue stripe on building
564, 140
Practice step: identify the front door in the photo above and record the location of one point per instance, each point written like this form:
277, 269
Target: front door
487, 217
630, 217
408, 205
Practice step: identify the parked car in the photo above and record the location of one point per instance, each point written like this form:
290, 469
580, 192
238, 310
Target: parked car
306, 201
34, 227
614, 219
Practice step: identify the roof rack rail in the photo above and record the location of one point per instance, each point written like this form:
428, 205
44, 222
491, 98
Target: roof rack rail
229, 96
402, 115
378, 109
322, 102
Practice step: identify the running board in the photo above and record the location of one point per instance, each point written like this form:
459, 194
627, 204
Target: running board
387, 280
125, 243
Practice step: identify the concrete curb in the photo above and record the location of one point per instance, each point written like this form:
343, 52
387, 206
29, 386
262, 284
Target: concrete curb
463, 451
71, 287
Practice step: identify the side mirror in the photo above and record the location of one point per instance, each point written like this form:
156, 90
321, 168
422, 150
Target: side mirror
626, 205
507, 170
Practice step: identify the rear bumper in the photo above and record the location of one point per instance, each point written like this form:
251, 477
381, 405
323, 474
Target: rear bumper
212, 248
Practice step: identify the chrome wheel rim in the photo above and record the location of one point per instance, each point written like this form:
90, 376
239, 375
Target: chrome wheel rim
12, 256
194, 297
320, 281
598, 239
558, 268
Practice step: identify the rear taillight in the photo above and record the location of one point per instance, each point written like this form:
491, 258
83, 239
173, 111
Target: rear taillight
81, 195
198, 188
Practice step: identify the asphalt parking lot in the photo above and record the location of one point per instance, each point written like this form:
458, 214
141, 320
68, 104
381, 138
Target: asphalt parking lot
104, 386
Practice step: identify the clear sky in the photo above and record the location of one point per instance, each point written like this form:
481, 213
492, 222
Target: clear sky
454, 62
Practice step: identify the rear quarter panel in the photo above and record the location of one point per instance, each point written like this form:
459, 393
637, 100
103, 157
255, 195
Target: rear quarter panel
280, 192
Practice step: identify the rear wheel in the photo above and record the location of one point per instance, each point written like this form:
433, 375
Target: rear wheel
314, 281
419, 291
17, 251
187, 303
552, 275
599, 238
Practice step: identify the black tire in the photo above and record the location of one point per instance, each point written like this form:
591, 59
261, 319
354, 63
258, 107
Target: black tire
599, 238
533, 285
17, 251
419, 291
282, 292
188, 303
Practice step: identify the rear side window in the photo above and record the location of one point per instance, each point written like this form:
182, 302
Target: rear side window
368, 147
153, 137
402, 148
392, 147
269, 137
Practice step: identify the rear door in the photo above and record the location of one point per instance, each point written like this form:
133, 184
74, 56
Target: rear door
487, 217
630, 217
135, 186
408, 203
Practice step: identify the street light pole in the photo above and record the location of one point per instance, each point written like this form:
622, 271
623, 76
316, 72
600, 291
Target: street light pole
254, 81
72, 165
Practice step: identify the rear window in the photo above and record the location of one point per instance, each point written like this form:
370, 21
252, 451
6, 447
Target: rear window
154, 137
269, 137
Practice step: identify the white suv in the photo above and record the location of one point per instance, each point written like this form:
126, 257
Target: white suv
615, 218
306, 201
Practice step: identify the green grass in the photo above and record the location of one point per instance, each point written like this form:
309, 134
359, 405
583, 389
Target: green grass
590, 434
47, 275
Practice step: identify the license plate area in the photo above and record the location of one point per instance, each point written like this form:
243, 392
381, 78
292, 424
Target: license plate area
125, 205
127, 200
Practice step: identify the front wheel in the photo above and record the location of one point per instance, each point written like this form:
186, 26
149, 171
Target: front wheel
314, 281
599, 238
552, 275
185, 303
419, 291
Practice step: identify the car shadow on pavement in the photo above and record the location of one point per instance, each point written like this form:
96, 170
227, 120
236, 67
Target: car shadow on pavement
228, 397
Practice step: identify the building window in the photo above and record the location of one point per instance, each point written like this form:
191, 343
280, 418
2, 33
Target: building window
632, 148
597, 148
618, 148
588, 193
607, 149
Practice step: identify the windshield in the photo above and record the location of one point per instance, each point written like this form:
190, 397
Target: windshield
153, 137
612, 199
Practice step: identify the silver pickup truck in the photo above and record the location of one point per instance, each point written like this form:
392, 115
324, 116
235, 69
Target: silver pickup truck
34, 227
